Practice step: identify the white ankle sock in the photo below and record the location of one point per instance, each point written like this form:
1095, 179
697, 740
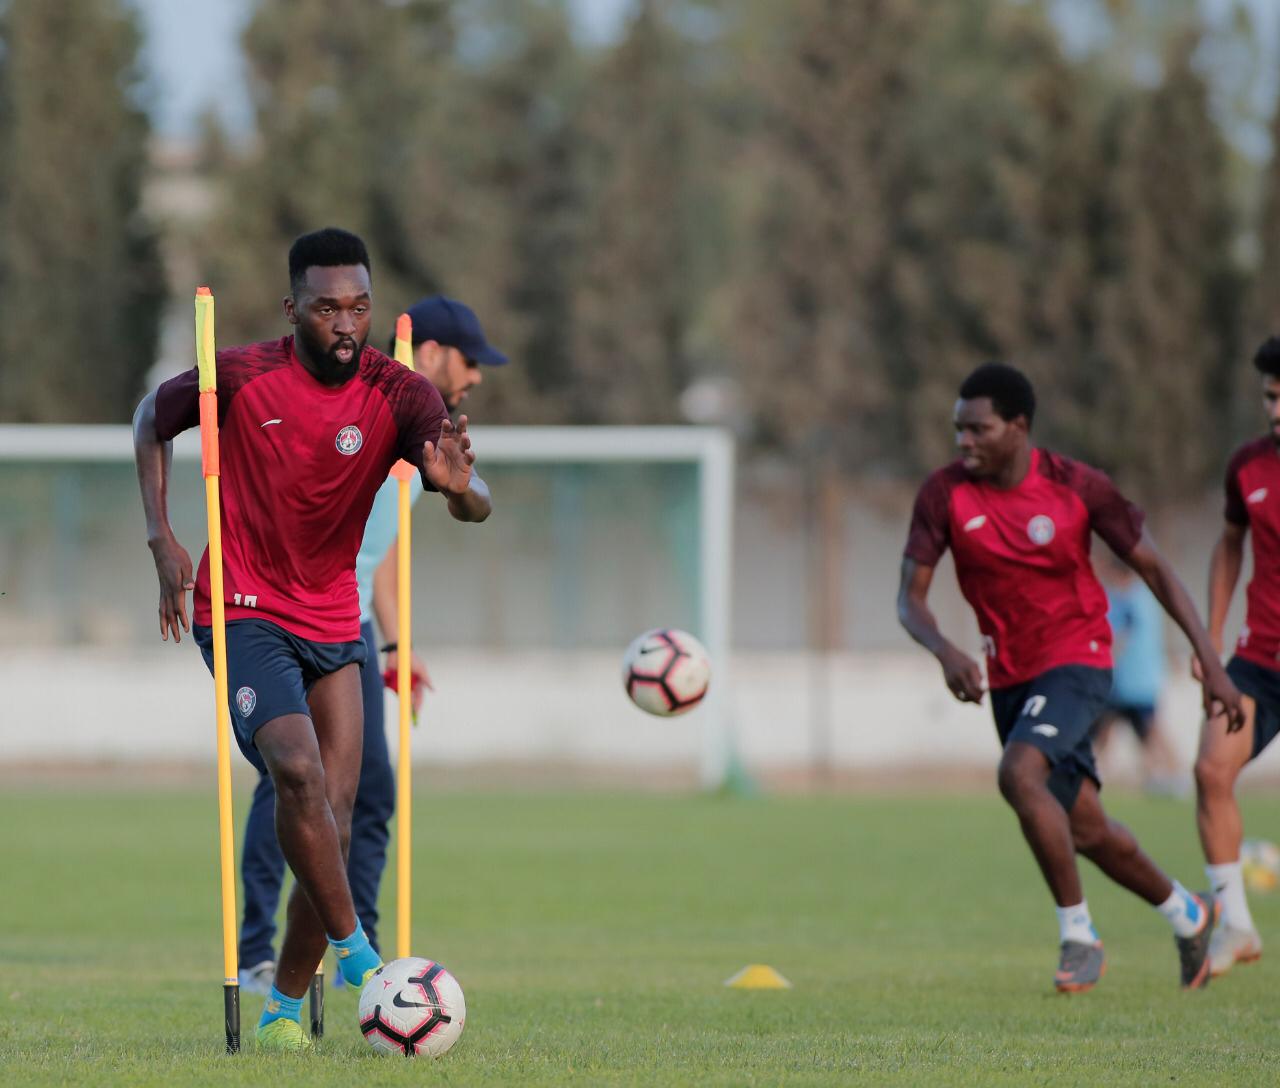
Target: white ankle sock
1183, 912
1227, 882
1074, 924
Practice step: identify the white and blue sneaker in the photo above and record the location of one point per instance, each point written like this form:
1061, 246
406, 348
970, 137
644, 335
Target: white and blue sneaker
1193, 952
258, 978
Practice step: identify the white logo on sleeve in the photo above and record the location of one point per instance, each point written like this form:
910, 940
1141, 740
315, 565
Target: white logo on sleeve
269, 422
1256, 497
246, 700
349, 440
975, 523
1041, 529
1045, 730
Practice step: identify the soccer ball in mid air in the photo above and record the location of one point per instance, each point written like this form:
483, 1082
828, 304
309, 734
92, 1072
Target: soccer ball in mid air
666, 671
412, 1007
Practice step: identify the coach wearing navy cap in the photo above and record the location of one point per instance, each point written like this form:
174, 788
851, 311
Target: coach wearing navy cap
449, 347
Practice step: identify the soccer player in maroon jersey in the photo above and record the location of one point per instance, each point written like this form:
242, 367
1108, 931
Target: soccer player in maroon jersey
310, 426
1253, 509
1018, 521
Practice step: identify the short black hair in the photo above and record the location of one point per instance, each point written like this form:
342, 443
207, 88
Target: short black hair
1008, 388
326, 248
1267, 358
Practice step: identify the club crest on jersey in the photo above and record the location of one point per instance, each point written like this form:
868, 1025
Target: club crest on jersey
1041, 529
246, 700
349, 440
1256, 497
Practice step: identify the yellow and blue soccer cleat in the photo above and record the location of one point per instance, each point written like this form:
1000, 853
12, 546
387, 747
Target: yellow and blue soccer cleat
283, 1036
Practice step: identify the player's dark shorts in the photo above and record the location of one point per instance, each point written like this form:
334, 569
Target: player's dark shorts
1140, 716
1055, 712
269, 673
1262, 685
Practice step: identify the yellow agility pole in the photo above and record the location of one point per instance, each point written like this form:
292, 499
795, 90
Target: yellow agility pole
404, 472
213, 506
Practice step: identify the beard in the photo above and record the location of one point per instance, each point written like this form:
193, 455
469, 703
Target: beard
329, 368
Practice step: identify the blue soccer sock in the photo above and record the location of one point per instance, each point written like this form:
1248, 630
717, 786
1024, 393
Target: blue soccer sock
356, 956
280, 1007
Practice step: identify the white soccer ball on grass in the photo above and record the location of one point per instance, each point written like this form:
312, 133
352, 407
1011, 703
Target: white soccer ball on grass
412, 1007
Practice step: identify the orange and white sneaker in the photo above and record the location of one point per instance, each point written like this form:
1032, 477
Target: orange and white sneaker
1229, 946
1081, 965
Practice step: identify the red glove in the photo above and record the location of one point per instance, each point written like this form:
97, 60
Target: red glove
391, 680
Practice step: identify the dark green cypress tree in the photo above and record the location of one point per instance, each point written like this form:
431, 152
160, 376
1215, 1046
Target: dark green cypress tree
81, 285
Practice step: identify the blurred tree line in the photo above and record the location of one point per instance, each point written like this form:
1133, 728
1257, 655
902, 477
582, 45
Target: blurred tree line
81, 283
819, 214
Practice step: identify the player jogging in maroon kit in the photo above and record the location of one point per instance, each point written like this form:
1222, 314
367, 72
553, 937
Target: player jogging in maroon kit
1253, 509
1019, 521
309, 427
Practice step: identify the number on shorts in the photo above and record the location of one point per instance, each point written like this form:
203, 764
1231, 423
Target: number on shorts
1033, 706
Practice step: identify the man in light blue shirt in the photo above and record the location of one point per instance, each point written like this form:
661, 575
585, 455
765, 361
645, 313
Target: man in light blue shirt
449, 348
1138, 678
1138, 675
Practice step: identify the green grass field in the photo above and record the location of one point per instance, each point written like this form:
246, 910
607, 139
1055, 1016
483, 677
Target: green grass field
592, 934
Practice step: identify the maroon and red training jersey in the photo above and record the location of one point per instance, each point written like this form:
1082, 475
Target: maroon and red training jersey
1022, 559
300, 462
1253, 500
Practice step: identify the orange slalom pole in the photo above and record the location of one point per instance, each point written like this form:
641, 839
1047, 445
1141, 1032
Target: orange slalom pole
213, 510
404, 473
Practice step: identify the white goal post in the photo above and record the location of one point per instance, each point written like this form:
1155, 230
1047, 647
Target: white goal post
710, 449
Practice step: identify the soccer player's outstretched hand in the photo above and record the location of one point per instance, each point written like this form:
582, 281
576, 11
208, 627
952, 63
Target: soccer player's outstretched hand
173, 566
1221, 696
963, 675
449, 461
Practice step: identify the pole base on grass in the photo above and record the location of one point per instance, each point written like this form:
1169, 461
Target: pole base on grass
758, 976
317, 1004
231, 1015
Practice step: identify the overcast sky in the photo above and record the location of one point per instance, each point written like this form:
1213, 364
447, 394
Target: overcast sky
192, 57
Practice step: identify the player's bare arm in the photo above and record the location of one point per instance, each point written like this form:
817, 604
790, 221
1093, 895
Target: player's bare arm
173, 563
963, 675
1224, 573
449, 465
1220, 694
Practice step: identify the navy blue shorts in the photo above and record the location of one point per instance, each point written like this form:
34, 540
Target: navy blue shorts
1055, 712
269, 673
1262, 685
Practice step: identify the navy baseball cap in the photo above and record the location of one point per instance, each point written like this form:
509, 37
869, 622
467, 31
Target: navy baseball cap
454, 324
